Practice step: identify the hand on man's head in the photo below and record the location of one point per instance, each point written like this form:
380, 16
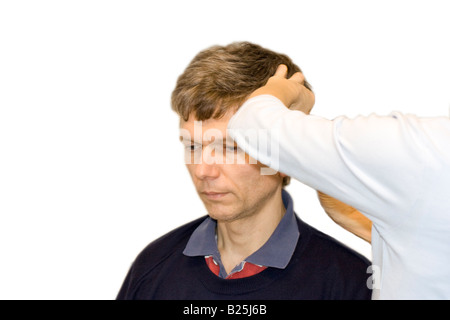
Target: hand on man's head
291, 92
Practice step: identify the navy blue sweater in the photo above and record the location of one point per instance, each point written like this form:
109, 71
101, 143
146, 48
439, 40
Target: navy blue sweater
320, 268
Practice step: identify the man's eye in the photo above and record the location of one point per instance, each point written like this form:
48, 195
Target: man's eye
233, 148
192, 147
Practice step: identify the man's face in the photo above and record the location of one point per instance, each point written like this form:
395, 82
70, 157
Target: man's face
228, 181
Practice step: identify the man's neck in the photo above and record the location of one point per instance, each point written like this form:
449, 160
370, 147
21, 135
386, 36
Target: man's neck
238, 239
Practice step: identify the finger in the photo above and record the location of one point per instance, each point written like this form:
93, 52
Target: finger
281, 71
298, 77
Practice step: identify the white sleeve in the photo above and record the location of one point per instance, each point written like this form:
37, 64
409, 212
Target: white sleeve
376, 164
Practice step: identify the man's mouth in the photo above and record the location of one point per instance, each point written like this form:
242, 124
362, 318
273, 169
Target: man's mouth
212, 195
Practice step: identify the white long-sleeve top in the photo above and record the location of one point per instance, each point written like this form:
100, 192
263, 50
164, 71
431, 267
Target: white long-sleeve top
394, 169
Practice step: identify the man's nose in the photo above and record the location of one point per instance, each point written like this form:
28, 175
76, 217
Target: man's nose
208, 168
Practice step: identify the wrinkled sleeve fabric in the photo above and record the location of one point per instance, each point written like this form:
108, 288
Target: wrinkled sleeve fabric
377, 164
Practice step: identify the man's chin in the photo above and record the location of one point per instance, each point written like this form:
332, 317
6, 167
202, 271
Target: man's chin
222, 216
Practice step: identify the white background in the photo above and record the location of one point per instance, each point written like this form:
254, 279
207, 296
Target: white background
91, 169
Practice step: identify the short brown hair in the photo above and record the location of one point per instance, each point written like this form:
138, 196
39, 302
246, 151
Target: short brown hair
222, 77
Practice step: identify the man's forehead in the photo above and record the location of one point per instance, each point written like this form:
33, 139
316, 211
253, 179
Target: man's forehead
206, 130
219, 123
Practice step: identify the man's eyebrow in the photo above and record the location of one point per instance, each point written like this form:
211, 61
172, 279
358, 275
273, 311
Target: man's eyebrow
228, 141
185, 140
182, 139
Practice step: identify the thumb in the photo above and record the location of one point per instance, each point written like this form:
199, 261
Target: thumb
281, 71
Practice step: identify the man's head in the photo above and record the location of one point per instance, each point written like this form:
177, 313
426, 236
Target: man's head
222, 77
211, 89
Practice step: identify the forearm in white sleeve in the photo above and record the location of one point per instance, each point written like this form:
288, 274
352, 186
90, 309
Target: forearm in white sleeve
375, 164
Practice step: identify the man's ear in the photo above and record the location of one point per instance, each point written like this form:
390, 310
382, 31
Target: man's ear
285, 178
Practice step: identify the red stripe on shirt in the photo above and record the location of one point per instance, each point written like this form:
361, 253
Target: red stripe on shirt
248, 270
